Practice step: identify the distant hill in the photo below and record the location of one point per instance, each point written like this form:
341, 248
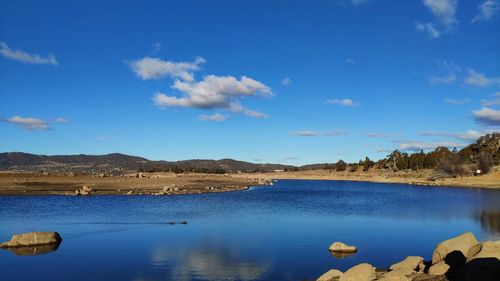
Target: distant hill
117, 163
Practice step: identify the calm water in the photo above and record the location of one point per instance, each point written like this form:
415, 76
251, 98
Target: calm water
266, 233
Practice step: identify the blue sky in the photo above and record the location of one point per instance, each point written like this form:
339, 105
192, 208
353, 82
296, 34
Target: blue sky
264, 81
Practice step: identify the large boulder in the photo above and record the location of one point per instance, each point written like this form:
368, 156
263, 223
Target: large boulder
488, 249
339, 247
394, 278
462, 243
411, 262
439, 268
360, 272
32, 239
330, 275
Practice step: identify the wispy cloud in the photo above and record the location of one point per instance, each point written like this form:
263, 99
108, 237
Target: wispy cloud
286, 81
469, 135
487, 10
149, 68
419, 145
216, 117
156, 46
378, 148
238, 108
443, 10
479, 79
350, 61
382, 135
457, 101
428, 28
312, 133
487, 116
342, 102
28, 123
26, 57
494, 102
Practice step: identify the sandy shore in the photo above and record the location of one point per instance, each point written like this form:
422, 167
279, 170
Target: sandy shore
491, 180
31, 184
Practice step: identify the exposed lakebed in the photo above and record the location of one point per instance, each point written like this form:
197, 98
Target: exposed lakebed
265, 233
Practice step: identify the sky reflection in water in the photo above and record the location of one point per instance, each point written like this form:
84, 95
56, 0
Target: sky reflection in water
266, 233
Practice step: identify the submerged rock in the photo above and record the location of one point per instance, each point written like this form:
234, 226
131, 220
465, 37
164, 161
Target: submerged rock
339, 247
32, 239
33, 250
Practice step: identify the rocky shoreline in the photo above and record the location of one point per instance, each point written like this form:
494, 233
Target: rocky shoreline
462, 258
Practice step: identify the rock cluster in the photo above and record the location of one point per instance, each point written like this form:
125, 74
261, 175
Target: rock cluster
459, 258
85, 190
167, 190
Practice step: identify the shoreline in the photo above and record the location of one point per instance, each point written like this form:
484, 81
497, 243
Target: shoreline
194, 183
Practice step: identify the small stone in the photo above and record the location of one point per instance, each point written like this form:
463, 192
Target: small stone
340, 247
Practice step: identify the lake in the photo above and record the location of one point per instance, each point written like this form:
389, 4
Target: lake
280, 232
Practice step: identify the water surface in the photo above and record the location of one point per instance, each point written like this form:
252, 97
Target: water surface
266, 233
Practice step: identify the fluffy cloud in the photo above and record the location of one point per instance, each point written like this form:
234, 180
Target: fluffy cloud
487, 116
286, 81
443, 10
216, 117
378, 148
214, 92
475, 78
469, 135
487, 10
25, 57
149, 68
418, 145
457, 101
311, 133
342, 102
428, 28
28, 123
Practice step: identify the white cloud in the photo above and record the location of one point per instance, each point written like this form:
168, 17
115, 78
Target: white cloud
286, 81
469, 135
475, 78
342, 102
457, 101
61, 120
216, 117
28, 123
215, 92
418, 145
443, 10
487, 10
487, 116
335, 133
149, 68
25, 57
429, 28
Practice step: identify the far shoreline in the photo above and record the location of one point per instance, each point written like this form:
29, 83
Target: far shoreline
195, 183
